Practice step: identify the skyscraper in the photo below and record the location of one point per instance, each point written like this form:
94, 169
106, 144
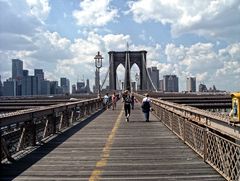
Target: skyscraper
65, 84
45, 87
170, 83
17, 75
17, 69
39, 73
30, 85
191, 84
9, 87
53, 87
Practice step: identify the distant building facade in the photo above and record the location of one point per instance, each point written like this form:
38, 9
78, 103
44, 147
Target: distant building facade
31, 85
45, 87
191, 84
17, 69
53, 87
9, 87
82, 87
161, 85
202, 88
74, 89
170, 83
65, 85
17, 75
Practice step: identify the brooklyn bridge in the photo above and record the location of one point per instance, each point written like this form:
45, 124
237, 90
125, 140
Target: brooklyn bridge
73, 137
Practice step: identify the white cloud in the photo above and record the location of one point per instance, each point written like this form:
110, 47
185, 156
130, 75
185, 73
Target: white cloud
39, 8
208, 65
95, 13
214, 18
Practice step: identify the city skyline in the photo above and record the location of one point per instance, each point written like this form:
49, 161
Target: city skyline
199, 39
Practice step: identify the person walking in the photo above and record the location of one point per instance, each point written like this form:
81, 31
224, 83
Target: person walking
133, 100
106, 101
126, 98
146, 107
114, 100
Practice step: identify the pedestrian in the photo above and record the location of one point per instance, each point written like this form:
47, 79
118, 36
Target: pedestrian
106, 101
146, 107
133, 100
114, 100
126, 98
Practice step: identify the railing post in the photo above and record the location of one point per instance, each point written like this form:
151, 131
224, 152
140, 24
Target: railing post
54, 123
184, 130
34, 134
205, 145
1, 147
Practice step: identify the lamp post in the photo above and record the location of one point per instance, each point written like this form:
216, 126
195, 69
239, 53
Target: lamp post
137, 79
98, 64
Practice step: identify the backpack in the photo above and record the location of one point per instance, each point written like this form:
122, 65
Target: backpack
127, 99
145, 106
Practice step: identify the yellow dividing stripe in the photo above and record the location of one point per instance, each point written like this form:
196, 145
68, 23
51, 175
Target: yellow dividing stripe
96, 173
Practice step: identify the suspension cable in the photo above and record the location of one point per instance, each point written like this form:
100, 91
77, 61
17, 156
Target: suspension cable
145, 65
105, 78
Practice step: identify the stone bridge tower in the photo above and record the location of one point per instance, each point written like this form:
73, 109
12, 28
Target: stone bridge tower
127, 59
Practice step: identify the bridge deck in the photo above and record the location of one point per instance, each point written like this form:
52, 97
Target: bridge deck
106, 147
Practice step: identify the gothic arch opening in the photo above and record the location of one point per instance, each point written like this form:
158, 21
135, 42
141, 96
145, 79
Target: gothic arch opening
127, 59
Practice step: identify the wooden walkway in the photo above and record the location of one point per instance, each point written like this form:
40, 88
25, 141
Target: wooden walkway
105, 147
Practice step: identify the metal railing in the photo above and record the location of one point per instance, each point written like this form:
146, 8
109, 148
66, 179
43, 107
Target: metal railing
30, 127
214, 139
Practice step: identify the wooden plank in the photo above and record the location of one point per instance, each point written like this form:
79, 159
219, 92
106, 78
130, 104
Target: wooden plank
138, 151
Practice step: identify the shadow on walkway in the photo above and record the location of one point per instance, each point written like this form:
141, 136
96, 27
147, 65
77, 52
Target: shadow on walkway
12, 170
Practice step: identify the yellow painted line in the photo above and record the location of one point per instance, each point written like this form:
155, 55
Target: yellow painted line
96, 173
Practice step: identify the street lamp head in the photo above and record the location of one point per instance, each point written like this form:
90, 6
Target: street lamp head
98, 60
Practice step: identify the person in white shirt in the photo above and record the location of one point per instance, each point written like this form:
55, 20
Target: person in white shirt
106, 100
146, 107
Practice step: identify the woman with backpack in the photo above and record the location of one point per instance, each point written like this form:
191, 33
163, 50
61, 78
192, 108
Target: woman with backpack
146, 107
127, 104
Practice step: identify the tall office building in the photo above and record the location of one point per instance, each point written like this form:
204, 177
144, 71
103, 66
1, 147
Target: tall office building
39, 73
154, 75
25, 73
170, 83
74, 89
45, 87
80, 86
202, 88
161, 85
191, 84
9, 87
65, 84
30, 85
17, 69
53, 87
17, 75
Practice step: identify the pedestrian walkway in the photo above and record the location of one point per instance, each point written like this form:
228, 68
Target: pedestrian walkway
105, 147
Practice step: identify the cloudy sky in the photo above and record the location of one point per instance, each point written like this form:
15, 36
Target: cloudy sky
182, 37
